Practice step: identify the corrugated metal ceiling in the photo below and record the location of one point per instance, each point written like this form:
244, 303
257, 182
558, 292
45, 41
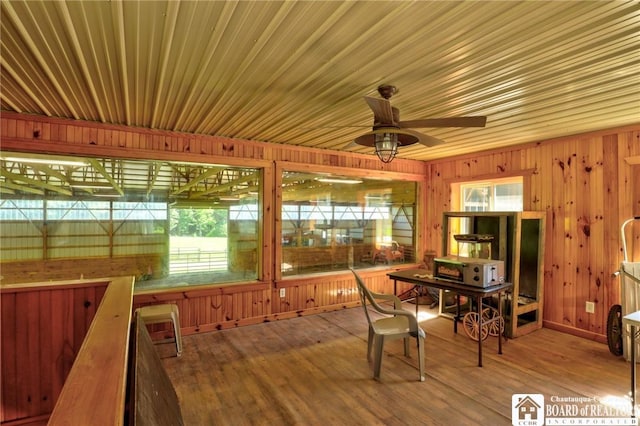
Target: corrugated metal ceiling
295, 72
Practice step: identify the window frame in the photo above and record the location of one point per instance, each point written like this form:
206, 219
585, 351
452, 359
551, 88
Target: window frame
457, 187
285, 166
262, 167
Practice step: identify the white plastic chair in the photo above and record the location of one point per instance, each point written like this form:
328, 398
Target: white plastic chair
401, 325
168, 312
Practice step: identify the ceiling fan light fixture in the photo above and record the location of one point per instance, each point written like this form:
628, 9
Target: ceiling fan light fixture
386, 145
386, 141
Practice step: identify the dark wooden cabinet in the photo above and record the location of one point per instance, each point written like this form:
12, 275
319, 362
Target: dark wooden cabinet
519, 242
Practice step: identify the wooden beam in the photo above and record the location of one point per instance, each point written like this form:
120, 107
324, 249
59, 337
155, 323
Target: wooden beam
38, 184
48, 171
223, 188
154, 172
200, 178
100, 168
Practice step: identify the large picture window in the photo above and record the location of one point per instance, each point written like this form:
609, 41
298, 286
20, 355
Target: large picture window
331, 222
168, 223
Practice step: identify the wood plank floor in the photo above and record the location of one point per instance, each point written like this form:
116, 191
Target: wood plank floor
313, 370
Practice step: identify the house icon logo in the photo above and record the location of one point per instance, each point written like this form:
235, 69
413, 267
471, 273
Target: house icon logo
527, 409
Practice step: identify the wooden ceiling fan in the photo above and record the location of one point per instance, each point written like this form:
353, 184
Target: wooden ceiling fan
389, 132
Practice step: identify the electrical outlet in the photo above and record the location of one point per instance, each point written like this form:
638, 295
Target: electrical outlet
282, 292
590, 307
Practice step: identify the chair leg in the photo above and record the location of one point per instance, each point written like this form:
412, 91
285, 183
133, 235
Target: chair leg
407, 352
379, 344
177, 334
369, 343
421, 357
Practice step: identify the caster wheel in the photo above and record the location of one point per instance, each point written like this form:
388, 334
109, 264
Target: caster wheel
472, 327
496, 327
614, 330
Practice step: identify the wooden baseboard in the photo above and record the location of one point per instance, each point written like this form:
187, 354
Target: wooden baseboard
600, 338
257, 320
40, 420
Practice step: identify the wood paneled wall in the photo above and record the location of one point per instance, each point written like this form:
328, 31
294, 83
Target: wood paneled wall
210, 308
582, 182
587, 189
43, 329
96, 139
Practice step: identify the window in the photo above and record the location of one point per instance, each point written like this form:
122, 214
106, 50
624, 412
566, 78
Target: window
165, 222
490, 196
496, 195
333, 222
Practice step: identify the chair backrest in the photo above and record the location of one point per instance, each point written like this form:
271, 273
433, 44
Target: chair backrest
365, 295
370, 298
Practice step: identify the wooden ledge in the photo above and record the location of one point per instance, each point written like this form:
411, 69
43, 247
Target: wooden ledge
52, 285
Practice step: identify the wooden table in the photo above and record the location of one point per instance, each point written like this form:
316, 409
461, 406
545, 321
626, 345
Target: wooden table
417, 277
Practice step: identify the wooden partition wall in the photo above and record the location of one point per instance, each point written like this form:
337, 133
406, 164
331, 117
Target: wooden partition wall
95, 390
583, 183
43, 328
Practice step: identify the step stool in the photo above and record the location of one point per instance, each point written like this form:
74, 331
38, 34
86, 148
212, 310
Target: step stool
168, 312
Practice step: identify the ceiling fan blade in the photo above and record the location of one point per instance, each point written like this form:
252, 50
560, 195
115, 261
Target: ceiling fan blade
425, 140
382, 110
350, 145
477, 121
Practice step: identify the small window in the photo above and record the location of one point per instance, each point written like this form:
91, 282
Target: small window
490, 196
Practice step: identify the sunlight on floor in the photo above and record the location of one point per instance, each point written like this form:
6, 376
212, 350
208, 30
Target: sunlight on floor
424, 315
424, 312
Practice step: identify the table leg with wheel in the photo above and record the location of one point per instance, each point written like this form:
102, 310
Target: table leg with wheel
500, 328
633, 371
457, 317
480, 330
633, 321
474, 324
